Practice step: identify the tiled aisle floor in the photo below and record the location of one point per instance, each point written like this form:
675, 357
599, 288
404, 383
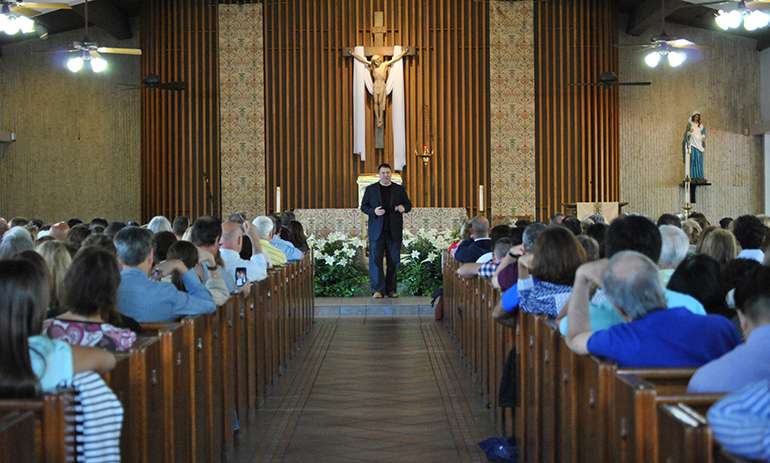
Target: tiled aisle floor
371, 389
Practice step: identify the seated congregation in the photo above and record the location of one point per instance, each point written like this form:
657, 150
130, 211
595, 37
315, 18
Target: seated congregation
94, 315
675, 310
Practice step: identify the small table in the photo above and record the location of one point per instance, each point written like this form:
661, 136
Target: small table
571, 208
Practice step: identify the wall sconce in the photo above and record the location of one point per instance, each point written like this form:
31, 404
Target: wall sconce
425, 155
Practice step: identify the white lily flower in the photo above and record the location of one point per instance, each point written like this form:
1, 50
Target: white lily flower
431, 257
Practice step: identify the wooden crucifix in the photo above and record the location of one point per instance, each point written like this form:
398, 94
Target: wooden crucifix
379, 69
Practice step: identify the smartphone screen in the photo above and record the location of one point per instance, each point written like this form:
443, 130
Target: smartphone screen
240, 276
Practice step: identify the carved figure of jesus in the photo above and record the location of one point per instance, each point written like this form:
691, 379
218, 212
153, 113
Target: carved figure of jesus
379, 78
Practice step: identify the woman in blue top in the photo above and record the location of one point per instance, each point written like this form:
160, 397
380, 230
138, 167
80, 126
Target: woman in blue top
555, 258
31, 364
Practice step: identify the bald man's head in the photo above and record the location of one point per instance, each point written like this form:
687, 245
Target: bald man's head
231, 236
59, 231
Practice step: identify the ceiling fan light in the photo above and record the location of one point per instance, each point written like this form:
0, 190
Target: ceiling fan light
676, 58
652, 59
75, 64
11, 25
734, 19
26, 25
98, 64
755, 20
722, 20
41, 30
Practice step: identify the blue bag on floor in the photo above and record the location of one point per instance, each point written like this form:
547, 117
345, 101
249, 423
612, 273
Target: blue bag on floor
500, 449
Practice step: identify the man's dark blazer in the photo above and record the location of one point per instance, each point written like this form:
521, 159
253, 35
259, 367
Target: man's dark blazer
470, 250
373, 199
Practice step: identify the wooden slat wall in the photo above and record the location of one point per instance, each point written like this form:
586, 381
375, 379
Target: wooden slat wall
180, 130
309, 100
577, 127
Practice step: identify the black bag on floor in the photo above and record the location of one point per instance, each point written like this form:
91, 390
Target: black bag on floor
507, 397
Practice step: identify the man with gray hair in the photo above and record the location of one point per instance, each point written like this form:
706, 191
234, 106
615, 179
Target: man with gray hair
673, 250
478, 244
17, 239
146, 300
265, 228
655, 336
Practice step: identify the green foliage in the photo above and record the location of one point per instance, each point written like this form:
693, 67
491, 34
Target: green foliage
420, 271
339, 270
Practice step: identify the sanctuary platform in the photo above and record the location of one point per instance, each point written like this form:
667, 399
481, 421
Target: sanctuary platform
403, 305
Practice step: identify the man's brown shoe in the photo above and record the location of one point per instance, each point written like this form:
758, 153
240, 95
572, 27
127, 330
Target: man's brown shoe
377, 295
393, 294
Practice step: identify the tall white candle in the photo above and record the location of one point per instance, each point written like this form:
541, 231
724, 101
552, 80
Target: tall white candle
481, 198
278, 199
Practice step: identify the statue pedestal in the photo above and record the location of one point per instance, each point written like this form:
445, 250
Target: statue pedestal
379, 138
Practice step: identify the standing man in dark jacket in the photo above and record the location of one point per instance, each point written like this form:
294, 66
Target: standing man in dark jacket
385, 203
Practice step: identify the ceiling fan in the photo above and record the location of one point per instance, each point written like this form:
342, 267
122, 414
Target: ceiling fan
665, 45
10, 23
607, 80
90, 51
153, 81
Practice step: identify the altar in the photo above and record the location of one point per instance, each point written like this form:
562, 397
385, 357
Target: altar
322, 222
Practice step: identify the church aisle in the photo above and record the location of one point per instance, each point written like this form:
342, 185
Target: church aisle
371, 389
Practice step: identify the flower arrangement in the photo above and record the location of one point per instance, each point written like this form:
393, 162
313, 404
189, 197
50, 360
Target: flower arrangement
339, 269
420, 271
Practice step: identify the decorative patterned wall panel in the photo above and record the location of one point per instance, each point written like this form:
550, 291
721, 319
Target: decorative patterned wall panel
242, 103
723, 84
77, 148
512, 105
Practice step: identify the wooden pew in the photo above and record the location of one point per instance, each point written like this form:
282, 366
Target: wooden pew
225, 345
549, 388
119, 380
200, 401
252, 330
592, 381
180, 384
241, 366
529, 366
17, 436
209, 345
685, 436
636, 394
54, 416
147, 401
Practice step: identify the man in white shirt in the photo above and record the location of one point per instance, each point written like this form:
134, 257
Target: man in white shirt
231, 243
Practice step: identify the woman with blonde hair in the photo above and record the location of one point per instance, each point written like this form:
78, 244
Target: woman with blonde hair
58, 258
693, 231
719, 244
